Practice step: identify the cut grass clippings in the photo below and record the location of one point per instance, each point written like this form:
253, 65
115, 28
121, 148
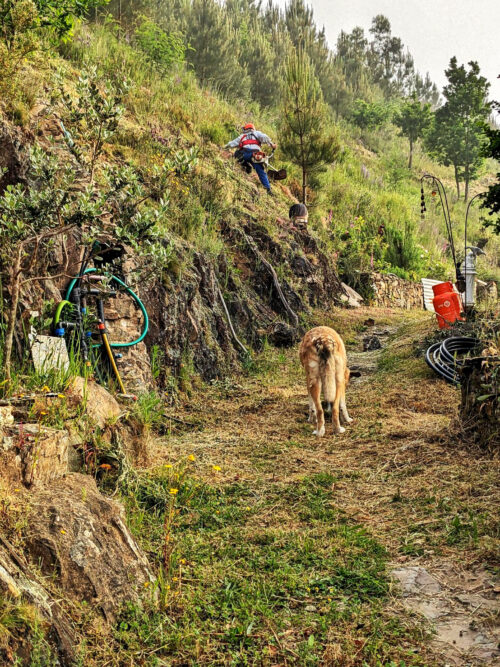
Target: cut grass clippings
280, 545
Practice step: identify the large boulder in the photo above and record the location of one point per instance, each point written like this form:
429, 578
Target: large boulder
100, 406
79, 537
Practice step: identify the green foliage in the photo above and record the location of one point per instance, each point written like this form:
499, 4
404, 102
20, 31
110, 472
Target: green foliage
351, 53
94, 111
413, 119
163, 49
390, 64
60, 15
215, 57
148, 410
457, 136
492, 198
402, 250
304, 133
20, 623
360, 248
259, 58
48, 198
18, 41
370, 115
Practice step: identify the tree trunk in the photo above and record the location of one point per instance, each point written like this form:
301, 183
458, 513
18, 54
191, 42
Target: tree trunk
304, 186
410, 160
457, 182
15, 286
466, 191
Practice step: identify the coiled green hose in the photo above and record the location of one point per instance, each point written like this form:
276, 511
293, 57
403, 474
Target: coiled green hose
132, 294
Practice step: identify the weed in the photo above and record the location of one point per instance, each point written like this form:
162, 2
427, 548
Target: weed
149, 410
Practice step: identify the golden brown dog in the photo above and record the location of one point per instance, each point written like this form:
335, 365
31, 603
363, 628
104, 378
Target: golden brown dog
322, 353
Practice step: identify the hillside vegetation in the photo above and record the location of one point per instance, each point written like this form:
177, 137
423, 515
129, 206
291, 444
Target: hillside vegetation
365, 207
255, 545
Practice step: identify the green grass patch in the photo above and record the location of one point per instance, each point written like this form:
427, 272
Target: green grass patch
256, 571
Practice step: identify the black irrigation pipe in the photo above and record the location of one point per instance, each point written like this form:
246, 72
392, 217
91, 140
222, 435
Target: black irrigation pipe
445, 357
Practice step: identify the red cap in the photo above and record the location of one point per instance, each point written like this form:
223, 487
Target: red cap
249, 126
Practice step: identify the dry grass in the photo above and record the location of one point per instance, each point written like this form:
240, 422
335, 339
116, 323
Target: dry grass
398, 468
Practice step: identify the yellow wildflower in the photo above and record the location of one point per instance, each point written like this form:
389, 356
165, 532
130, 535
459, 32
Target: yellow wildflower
174, 492
191, 457
63, 531
45, 388
216, 468
60, 396
168, 465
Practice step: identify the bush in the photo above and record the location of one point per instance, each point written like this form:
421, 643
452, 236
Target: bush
370, 115
161, 48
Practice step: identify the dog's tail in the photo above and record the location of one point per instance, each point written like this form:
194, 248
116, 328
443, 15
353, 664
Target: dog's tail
325, 346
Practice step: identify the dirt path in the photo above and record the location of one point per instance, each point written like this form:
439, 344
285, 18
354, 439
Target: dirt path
397, 488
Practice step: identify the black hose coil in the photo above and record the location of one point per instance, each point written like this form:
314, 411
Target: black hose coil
445, 357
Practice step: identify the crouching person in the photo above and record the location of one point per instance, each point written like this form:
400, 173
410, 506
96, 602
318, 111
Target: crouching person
248, 143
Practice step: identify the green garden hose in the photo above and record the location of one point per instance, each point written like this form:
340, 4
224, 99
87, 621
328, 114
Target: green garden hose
128, 290
59, 309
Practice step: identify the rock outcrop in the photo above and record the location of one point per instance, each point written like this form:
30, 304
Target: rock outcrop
17, 581
80, 539
99, 405
32, 454
13, 154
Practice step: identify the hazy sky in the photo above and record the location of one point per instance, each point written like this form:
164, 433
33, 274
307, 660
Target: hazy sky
432, 30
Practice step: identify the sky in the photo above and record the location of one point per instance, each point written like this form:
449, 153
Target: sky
432, 30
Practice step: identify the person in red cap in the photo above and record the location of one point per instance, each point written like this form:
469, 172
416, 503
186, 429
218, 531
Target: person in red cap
248, 143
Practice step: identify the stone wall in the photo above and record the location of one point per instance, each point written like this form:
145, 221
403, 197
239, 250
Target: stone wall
389, 291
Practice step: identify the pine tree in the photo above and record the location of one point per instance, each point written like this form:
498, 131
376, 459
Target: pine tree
457, 136
413, 119
304, 136
391, 66
215, 49
341, 95
425, 89
258, 58
351, 51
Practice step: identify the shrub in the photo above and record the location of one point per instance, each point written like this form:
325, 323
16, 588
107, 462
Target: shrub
164, 49
370, 115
